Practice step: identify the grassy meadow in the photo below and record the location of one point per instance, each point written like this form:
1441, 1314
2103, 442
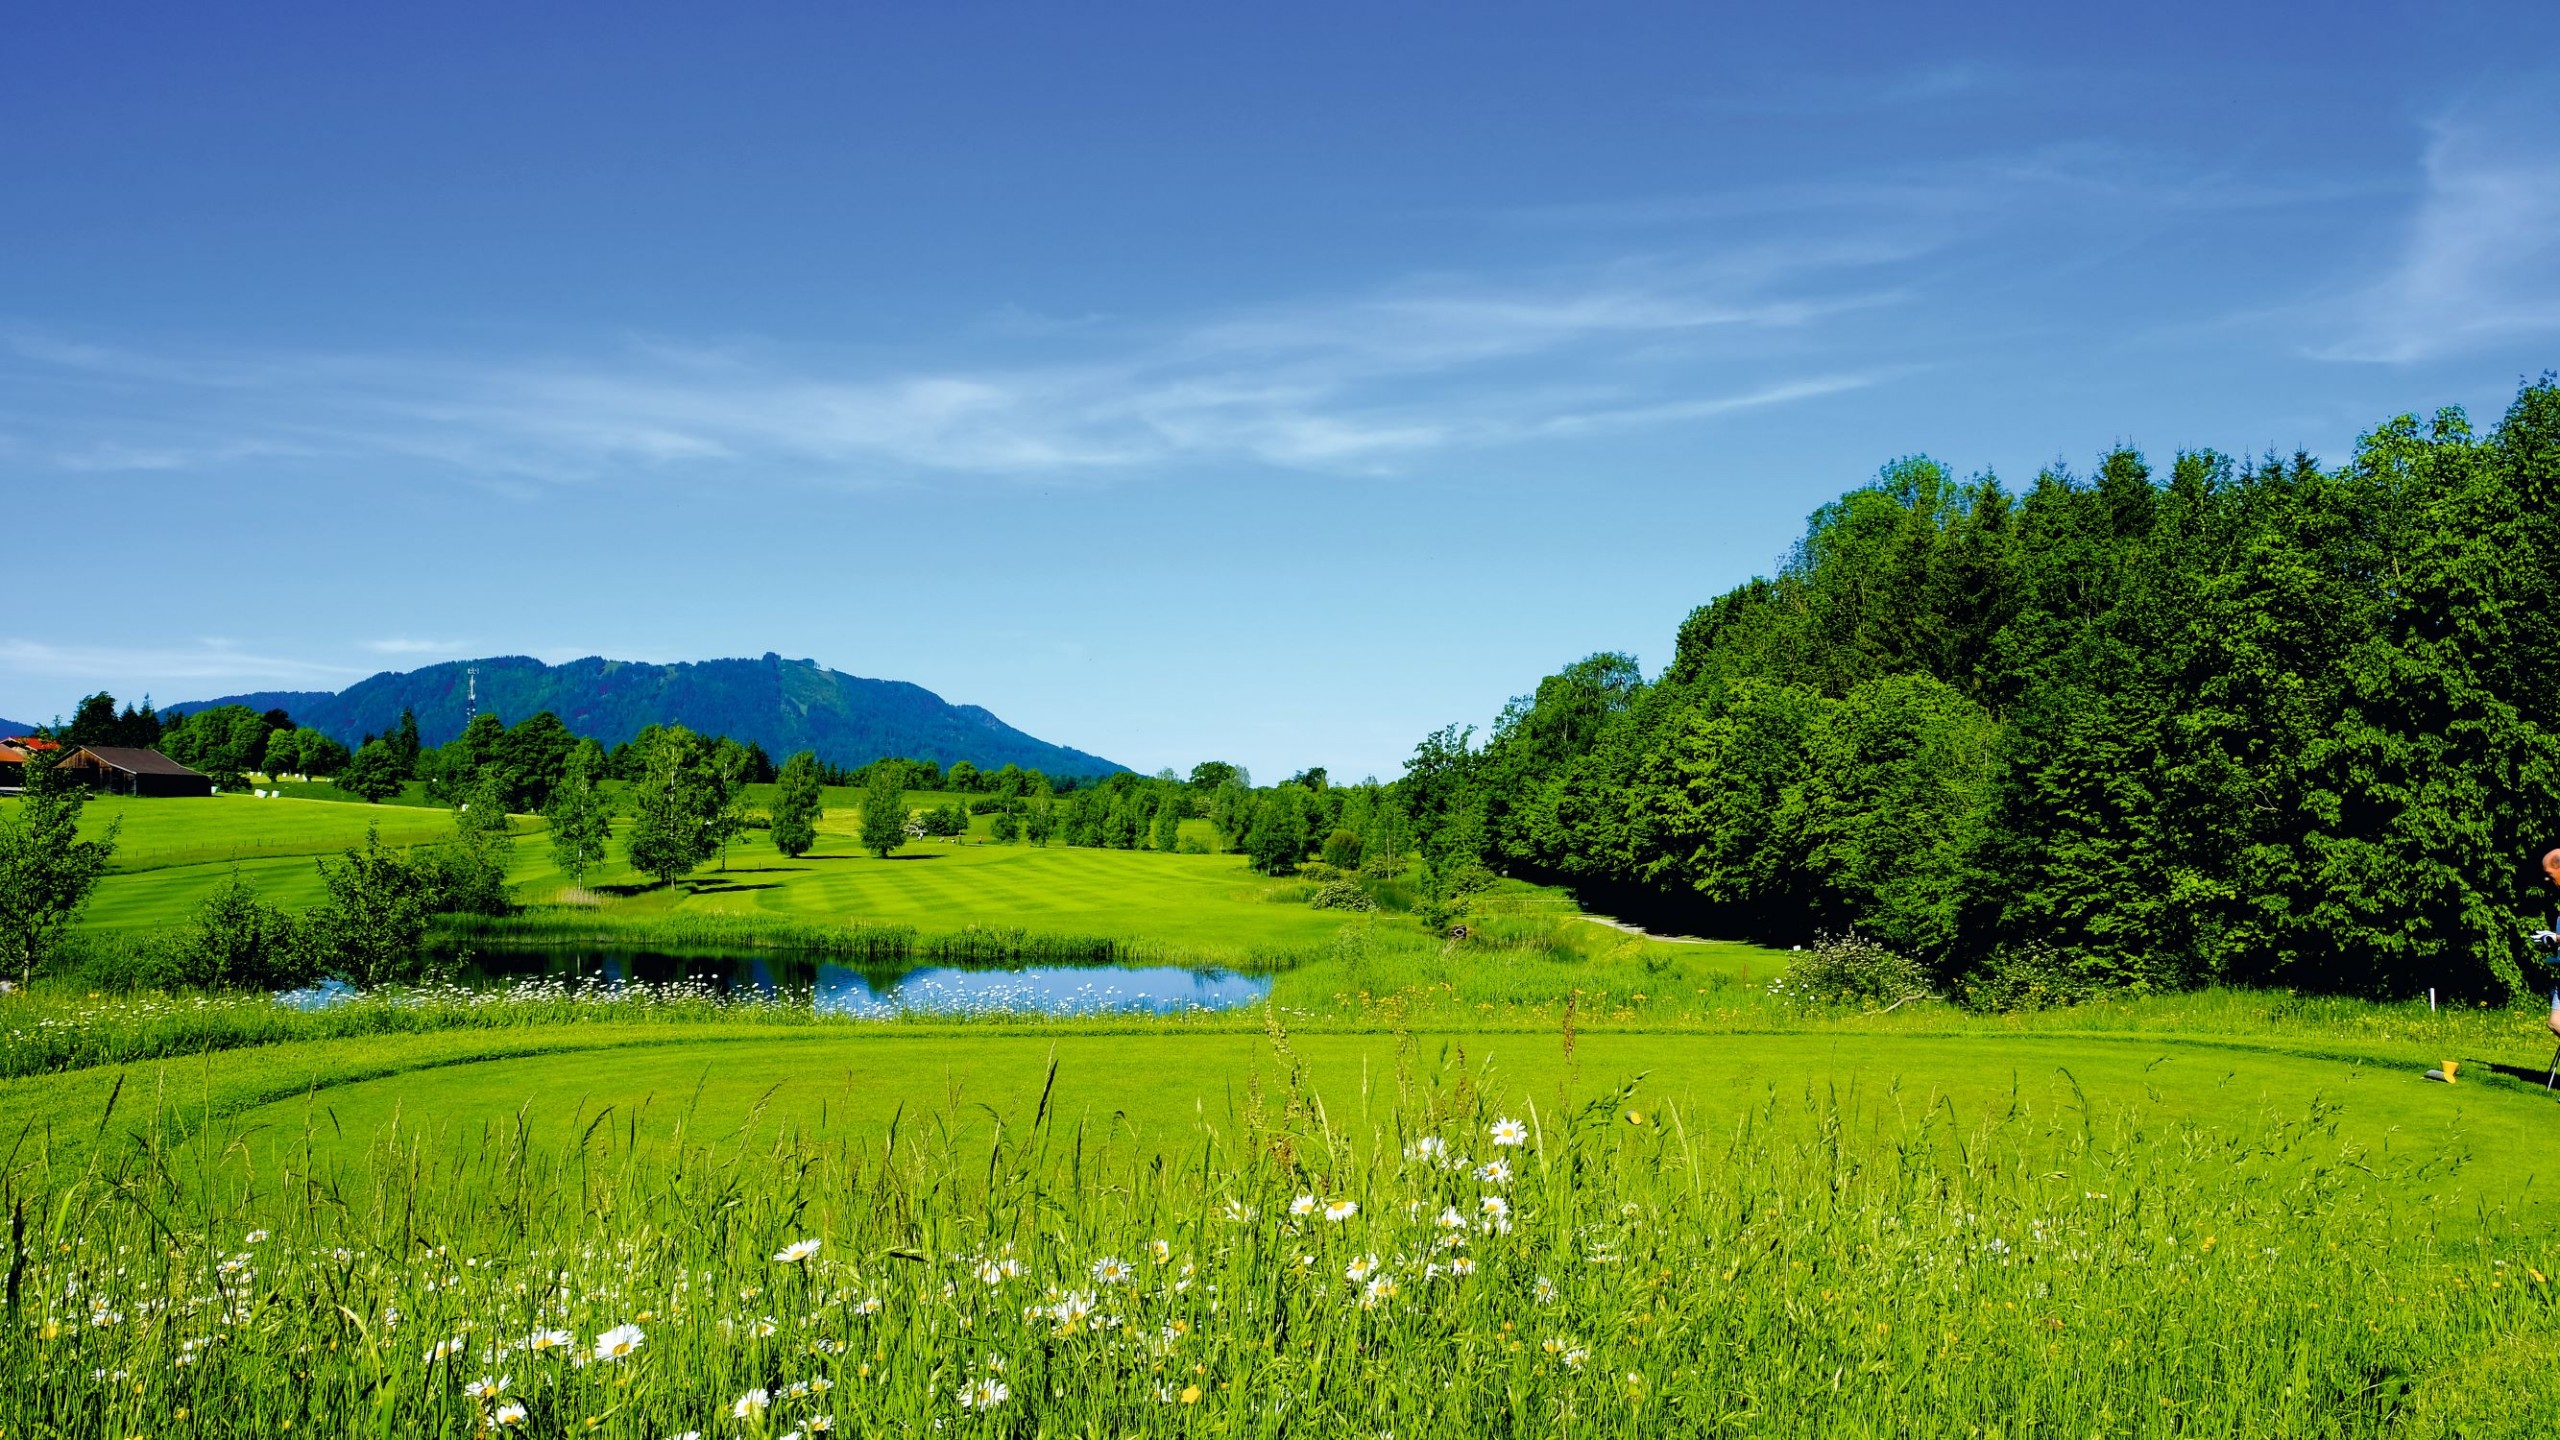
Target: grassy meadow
1549, 1180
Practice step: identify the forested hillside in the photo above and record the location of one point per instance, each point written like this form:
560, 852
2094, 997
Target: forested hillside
783, 705
2271, 723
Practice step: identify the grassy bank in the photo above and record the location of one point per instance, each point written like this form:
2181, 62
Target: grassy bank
1077, 1250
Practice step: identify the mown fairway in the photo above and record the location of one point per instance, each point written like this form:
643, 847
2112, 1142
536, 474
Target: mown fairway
172, 853
2482, 1149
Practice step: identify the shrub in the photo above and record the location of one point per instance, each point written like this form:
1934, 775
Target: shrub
2033, 976
1342, 850
242, 941
1448, 891
463, 876
1852, 970
1341, 895
373, 927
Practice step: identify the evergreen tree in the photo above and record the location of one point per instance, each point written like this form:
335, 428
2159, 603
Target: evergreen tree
94, 723
884, 808
797, 805
404, 744
581, 820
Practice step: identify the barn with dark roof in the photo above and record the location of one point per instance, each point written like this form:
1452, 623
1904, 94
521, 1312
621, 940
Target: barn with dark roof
122, 770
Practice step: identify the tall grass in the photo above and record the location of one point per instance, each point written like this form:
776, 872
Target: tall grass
865, 943
51, 1032
1450, 1266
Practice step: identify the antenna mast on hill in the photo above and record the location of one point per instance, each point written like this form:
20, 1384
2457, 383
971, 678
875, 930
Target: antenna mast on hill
471, 705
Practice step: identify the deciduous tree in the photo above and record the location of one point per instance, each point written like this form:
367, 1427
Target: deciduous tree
884, 809
672, 807
798, 805
46, 870
581, 819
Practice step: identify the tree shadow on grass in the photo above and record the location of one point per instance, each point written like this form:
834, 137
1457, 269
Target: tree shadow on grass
625, 892
718, 887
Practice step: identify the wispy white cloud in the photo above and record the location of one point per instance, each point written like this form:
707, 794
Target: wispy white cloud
2480, 260
1362, 384
207, 659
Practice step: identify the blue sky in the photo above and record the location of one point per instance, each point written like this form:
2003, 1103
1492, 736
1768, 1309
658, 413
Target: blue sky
1274, 383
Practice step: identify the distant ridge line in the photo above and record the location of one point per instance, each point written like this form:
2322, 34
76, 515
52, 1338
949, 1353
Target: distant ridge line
783, 705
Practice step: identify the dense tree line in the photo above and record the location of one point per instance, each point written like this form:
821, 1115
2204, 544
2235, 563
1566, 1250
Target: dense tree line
2275, 723
226, 742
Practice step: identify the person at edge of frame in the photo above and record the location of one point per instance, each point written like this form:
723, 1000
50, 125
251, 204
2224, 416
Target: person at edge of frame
2550, 939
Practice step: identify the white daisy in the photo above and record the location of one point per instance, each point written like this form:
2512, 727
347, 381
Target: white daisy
798, 1250
1510, 1132
619, 1342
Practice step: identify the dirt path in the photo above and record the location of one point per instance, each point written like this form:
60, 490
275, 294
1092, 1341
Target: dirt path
1638, 930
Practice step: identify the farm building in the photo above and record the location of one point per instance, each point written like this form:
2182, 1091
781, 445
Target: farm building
122, 770
14, 751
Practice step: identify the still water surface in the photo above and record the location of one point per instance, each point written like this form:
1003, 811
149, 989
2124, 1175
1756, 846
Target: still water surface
834, 988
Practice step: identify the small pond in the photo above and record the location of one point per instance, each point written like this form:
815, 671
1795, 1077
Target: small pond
833, 987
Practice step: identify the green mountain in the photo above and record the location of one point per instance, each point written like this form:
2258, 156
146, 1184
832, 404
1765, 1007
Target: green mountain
784, 705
